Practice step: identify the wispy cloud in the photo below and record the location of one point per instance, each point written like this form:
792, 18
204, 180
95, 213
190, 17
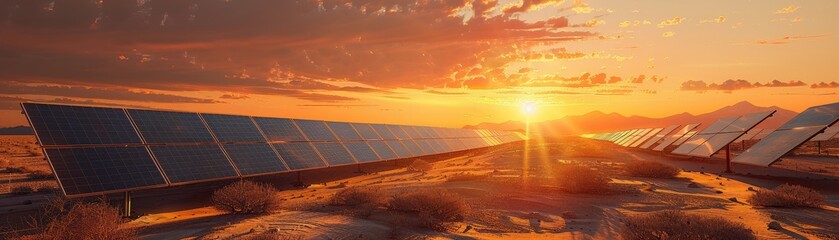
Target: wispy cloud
825, 85
731, 85
787, 10
671, 22
788, 39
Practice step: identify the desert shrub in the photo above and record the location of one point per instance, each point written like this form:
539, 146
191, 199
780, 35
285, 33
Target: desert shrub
22, 190
39, 174
651, 169
787, 196
355, 196
15, 169
672, 224
271, 235
420, 166
46, 189
95, 220
246, 197
434, 207
459, 177
580, 179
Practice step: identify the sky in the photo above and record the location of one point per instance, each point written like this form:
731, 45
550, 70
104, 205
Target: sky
438, 63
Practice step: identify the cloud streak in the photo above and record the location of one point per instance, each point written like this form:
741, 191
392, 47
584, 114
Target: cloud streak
731, 85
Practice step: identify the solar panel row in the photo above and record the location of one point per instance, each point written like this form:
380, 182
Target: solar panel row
97, 150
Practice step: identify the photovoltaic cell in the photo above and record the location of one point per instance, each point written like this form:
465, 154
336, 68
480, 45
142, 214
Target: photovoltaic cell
383, 131
71, 125
189, 163
334, 153
672, 139
381, 148
646, 137
400, 149
101, 169
279, 129
828, 134
412, 132
231, 128
345, 131
315, 130
413, 147
398, 131
684, 138
254, 158
692, 143
362, 152
748, 121
719, 125
659, 136
714, 144
424, 146
435, 146
299, 155
824, 115
366, 131
170, 127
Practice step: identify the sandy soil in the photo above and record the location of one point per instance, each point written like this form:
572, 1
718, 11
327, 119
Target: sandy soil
518, 200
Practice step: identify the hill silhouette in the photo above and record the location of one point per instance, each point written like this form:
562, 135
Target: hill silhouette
598, 121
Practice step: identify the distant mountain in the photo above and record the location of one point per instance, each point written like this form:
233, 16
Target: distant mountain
19, 130
602, 122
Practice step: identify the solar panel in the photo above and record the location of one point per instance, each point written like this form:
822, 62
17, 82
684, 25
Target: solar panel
345, 131
413, 147
383, 150
672, 139
170, 127
399, 148
435, 146
828, 134
398, 131
719, 125
431, 132
715, 142
627, 136
762, 134
362, 152
636, 137
279, 129
659, 136
646, 137
747, 122
92, 170
383, 131
190, 163
791, 135
684, 138
299, 155
366, 131
334, 153
315, 130
412, 132
749, 135
254, 158
692, 143
71, 125
231, 128
424, 146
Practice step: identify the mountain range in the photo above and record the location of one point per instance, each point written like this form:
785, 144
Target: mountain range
597, 121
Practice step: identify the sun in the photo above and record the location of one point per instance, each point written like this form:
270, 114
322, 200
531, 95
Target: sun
529, 108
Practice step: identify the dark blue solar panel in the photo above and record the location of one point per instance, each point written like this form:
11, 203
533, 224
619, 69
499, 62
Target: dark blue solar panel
412, 132
315, 130
102, 169
397, 130
170, 127
71, 125
399, 148
345, 131
366, 131
334, 153
384, 151
413, 147
383, 131
424, 146
361, 151
432, 131
254, 158
279, 129
444, 146
435, 146
230, 128
299, 155
189, 163
423, 132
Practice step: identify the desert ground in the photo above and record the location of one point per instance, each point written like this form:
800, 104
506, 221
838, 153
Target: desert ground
510, 191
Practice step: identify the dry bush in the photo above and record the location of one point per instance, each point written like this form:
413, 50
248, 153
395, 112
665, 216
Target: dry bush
271, 235
420, 166
435, 207
246, 197
355, 196
580, 179
670, 224
651, 169
15, 169
460, 177
95, 220
22, 190
787, 196
46, 189
39, 174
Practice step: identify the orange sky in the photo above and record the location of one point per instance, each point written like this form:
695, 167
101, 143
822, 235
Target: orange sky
423, 63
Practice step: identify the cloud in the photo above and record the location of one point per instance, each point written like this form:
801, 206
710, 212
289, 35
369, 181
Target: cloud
639, 79
97, 93
787, 10
788, 39
731, 85
671, 22
432, 91
825, 85
668, 34
13, 103
234, 96
720, 19
529, 5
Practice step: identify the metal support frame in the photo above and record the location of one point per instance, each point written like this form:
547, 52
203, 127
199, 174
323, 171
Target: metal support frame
728, 159
126, 205
819, 147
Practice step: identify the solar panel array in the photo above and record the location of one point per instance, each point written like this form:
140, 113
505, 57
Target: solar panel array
814, 124
96, 150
